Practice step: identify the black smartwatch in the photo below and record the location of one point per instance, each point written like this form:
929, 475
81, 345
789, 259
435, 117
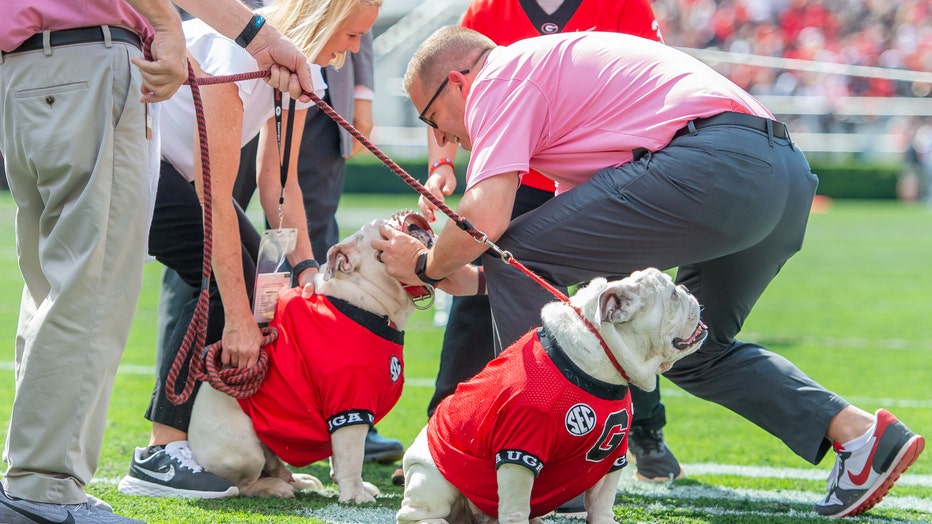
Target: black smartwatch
420, 266
250, 31
299, 268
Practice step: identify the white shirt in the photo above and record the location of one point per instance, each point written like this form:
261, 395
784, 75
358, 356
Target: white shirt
218, 56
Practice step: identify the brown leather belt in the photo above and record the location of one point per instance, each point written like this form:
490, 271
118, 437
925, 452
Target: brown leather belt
81, 35
738, 119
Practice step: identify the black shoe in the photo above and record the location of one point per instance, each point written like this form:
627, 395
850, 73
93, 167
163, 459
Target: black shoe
398, 477
171, 471
94, 511
655, 462
573, 509
382, 450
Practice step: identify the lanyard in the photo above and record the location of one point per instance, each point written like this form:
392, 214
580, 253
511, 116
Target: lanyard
285, 154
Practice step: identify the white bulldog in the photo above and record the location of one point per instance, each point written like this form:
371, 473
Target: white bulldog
548, 419
335, 369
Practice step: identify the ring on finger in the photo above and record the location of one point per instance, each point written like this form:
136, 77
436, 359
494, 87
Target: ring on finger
378, 256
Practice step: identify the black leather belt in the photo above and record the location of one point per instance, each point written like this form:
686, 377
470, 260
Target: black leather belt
738, 119
81, 35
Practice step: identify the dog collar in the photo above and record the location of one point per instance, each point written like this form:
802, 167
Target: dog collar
413, 224
574, 374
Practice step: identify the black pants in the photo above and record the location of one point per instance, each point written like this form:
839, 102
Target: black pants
468, 343
176, 240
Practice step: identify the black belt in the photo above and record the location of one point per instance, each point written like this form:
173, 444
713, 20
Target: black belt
81, 35
738, 119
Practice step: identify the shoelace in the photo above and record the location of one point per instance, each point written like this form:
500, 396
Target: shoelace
185, 458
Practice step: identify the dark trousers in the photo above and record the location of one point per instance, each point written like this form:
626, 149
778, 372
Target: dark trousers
727, 206
176, 240
468, 344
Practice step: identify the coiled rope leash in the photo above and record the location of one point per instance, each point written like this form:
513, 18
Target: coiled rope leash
206, 366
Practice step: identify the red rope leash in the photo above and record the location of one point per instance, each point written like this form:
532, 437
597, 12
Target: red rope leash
460, 221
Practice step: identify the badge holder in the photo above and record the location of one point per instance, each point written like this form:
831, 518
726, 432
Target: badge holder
273, 273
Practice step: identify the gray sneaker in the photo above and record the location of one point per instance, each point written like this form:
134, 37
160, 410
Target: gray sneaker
655, 462
862, 477
21, 511
171, 471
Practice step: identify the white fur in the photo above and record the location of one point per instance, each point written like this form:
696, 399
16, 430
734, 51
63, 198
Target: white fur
221, 435
639, 317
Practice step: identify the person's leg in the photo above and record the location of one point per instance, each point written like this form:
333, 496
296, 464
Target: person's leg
717, 195
176, 240
321, 170
81, 194
467, 346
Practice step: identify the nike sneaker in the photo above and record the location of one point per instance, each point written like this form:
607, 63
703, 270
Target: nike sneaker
171, 471
862, 477
22, 511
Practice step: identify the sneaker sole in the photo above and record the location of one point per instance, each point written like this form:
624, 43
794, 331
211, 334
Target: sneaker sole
904, 459
133, 486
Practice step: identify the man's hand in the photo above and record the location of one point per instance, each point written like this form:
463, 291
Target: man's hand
399, 252
442, 182
168, 69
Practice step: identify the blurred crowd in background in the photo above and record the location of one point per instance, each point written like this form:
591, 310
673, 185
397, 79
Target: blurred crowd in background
882, 33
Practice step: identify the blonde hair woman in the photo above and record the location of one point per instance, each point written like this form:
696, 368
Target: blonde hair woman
325, 30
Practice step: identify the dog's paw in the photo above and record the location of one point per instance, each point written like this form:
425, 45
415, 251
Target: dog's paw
371, 489
303, 481
358, 492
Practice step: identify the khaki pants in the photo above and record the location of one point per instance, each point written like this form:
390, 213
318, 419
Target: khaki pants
74, 140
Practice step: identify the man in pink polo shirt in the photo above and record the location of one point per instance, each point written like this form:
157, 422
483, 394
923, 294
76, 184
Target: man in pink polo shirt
658, 161
74, 138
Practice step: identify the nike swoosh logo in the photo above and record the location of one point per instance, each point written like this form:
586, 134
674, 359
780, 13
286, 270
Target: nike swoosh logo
162, 476
861, 477
38, 518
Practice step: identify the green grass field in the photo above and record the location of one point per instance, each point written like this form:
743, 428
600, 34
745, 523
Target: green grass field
853, 310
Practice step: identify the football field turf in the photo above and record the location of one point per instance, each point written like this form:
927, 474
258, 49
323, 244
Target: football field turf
852, 309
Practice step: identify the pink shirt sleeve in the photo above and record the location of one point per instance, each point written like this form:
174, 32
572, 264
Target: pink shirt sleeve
22, 19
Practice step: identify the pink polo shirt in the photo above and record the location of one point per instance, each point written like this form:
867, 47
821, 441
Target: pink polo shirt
22, 19
571, 104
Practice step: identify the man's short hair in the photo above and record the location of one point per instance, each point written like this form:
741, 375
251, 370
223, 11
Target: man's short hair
450, 48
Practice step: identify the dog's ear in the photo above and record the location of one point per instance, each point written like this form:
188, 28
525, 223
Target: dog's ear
619, 303
338, 260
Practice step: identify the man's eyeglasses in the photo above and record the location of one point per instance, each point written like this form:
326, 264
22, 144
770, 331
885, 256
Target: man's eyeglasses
430, 102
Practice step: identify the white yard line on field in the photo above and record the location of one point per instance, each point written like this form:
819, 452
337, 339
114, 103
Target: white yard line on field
416, 382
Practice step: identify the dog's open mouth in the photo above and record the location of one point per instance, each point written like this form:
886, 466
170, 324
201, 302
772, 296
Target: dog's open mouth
698, 336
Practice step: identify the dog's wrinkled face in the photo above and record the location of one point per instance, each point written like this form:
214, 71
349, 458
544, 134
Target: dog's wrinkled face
646, 320
353, 273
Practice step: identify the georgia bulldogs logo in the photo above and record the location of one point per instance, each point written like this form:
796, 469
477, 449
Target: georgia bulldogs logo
549, 28
394, 368
580, 419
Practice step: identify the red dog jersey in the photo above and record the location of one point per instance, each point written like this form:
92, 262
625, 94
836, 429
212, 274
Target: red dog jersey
533, 407
526, 19
333, 365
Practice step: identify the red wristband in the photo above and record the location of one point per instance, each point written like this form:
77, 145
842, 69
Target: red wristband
445, 161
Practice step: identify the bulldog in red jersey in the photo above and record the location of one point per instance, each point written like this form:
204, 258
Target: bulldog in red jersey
335, 369
547, 419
